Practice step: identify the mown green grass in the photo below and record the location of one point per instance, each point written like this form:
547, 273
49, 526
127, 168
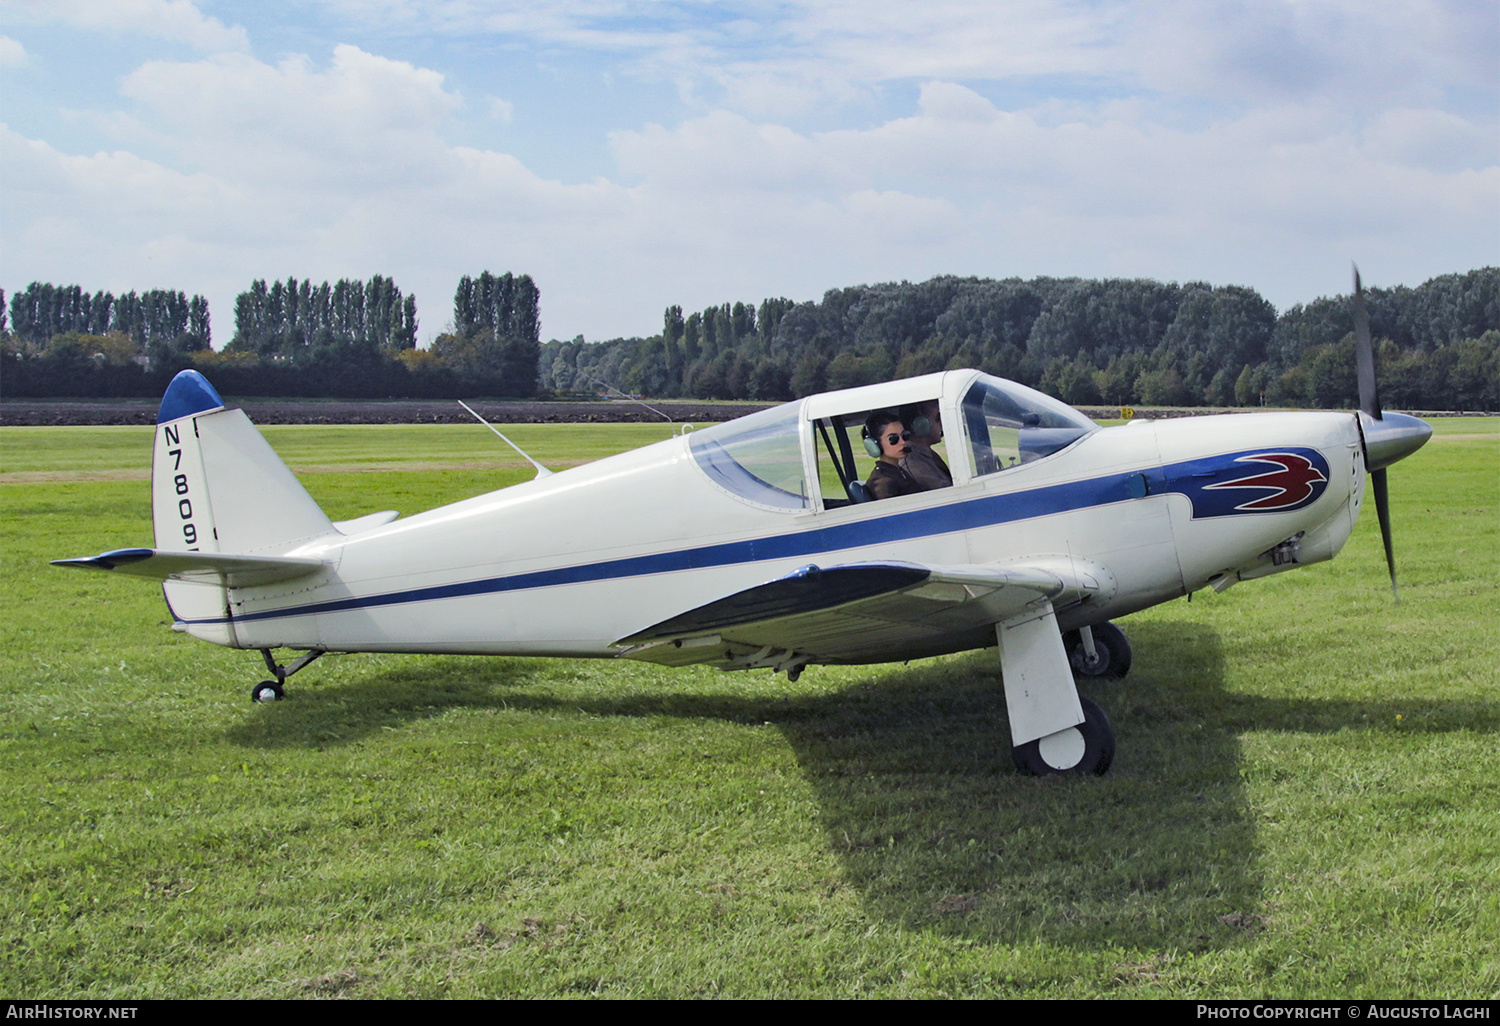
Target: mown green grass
1303, 804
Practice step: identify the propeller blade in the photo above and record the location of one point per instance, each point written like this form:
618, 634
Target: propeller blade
1385, 439
1364, 353
1383, 511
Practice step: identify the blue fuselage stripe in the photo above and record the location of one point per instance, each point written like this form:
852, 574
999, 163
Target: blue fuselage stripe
920, 523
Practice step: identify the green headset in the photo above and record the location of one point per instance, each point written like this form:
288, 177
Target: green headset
879, 419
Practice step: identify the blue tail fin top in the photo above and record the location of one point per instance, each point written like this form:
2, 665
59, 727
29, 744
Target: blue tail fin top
189, 393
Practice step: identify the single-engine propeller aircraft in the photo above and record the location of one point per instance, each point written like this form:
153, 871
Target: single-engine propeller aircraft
754, 544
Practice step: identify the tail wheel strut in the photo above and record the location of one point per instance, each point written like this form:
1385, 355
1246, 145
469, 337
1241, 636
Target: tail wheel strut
275, 690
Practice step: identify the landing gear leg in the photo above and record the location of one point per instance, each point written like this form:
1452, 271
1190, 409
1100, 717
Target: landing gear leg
275, 690
1052, 729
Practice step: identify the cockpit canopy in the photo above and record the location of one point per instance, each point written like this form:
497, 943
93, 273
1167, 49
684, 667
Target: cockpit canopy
758, 458
993, 425
1009, 424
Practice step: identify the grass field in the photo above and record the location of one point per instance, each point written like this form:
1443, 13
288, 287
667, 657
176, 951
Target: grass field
1305, 801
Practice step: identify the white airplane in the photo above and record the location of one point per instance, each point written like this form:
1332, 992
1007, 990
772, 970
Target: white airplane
752, 544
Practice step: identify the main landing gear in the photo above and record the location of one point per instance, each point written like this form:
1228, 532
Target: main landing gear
1100, 652
1088, 747
275, 690
1053, 728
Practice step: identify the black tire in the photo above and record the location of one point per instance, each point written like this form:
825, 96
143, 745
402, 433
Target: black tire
267, 691
1111, 651
1098, 747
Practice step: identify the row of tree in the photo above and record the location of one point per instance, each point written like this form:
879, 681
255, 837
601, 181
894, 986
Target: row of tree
158, 318
1088, 341
496, 338
296, 320
348, 339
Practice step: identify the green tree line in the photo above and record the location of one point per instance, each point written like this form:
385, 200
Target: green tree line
1116, 342
348, 339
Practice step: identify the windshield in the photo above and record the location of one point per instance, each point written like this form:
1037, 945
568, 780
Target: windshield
758, 458
1009, 424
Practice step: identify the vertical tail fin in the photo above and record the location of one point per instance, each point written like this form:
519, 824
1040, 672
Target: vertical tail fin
217, 486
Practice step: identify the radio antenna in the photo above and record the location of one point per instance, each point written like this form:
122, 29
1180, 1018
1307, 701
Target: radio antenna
541, 471
632, 398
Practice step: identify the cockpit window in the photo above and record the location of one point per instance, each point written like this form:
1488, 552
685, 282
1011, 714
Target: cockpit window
758, 458
1009, 424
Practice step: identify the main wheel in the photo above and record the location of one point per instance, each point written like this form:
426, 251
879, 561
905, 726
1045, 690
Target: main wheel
1086, 748
267, 691
1111, 653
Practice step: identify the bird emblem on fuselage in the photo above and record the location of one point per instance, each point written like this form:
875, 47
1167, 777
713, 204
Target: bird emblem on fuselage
1294, 483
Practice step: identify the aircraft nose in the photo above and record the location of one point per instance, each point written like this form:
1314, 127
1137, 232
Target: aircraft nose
1393, 437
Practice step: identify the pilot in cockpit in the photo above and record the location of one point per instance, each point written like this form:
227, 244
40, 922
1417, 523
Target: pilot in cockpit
886, 438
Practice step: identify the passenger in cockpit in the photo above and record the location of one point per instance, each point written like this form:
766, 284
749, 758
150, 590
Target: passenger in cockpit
926, 467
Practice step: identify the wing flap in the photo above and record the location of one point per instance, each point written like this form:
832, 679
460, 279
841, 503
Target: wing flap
857, 612
226, 568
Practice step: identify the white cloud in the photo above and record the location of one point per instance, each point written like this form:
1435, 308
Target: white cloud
110, 220
46, 183
1361, 54
345, 166
12, 53
1268, 199
725, 151
890, 39
294, 169
945, 101
775, 58
365, 119
177, 20
1432, 138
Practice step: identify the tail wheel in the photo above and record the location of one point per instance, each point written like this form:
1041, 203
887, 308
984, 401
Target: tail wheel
1086, 748
267, 691
1111, 659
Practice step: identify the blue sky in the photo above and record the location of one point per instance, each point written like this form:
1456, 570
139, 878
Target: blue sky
632, 154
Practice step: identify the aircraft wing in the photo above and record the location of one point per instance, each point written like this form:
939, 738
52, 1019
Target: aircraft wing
229, 569
859, 612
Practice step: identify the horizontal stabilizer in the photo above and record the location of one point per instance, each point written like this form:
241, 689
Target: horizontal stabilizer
228, 569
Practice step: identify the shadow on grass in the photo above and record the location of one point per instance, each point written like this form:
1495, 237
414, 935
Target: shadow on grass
938, 831
920, 800
324, 715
